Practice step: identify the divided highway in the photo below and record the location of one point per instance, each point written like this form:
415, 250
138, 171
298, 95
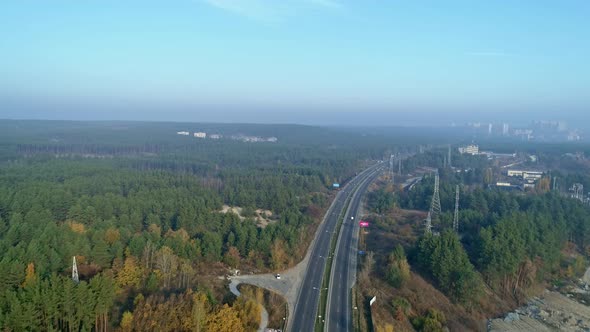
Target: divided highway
306, 307
343, 273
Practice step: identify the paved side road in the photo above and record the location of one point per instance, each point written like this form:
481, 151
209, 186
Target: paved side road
263, 313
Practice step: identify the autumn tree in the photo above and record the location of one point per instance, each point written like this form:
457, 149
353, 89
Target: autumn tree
278, 255
130, 274
224, 320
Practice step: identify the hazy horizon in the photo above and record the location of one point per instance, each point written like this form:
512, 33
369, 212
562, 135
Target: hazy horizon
296, 61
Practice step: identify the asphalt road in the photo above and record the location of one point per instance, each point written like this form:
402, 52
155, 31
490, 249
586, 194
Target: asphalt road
306, 307
339, 306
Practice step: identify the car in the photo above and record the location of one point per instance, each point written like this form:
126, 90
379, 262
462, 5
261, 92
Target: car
278, 276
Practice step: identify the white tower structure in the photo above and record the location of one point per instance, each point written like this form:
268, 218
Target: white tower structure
435, 209
75, 277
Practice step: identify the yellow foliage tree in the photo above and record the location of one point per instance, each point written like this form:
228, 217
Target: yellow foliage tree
224, 320
31, 276
384, 328
543, 185
278, 254
249, 313
199, 312
112, 235
130, 274
127, 321
76, 227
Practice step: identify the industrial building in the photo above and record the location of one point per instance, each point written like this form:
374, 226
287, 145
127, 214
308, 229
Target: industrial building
525, 175
471, 149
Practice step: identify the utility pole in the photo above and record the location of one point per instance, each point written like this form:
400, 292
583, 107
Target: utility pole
456, 216
75, 277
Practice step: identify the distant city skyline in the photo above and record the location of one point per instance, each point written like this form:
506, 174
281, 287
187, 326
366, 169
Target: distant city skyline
297, 61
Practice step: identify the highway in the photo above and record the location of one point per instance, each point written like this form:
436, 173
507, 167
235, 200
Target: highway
306, 306
343, 273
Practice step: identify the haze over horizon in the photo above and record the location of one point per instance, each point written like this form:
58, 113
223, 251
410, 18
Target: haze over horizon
296, 61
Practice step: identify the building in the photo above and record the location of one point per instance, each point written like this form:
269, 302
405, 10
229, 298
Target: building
505, 129
184, 133
573, 136
471, 149
531, 176
200, 135
215, 136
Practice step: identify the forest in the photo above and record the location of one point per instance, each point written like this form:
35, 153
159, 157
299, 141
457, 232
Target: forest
508, 240
140, 211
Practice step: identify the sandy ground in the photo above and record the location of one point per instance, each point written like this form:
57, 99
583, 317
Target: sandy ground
551, 311
262, 218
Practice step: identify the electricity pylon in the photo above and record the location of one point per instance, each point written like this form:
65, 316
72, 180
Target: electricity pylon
428, 223
391, 167
435, 209
456, 216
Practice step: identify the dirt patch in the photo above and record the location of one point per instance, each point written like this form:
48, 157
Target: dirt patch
261, 216
548, 312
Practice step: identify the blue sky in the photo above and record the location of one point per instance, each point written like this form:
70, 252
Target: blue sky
124, 59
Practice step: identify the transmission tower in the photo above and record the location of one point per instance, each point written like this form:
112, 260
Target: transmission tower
449, 157
75, 277
435, 209
428, 225
434, 206
391, 167
456, 216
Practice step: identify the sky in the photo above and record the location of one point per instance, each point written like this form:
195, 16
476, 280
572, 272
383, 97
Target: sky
304, 61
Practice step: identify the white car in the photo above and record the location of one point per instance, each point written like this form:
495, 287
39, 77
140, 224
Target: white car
278, 276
